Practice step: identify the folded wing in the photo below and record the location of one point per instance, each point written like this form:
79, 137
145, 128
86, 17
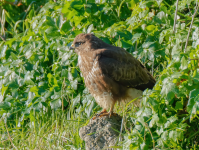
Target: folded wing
124, 68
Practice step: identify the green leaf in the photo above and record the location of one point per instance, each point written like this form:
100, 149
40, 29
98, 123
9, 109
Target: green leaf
143, 146
196, 76
10, 42
89, 108
147, 44
151, 28
52, 31
50, 77
173, 135
75, 101
37, 106
184, 63
179, 105
29, 82
3, 89
193, 101
64, 73
193, 93
168, 89
65, 8
55, 104
45, 38
154, 120
14, 57
66, 27
77, 5
90, 28
176, 50
3, 51
195, 108
35, 90
171, 122
5, 105
31, 13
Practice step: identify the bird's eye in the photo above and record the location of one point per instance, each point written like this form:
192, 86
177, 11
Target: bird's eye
77, 44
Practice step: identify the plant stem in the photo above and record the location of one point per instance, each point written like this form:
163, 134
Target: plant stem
118, 13
175, 19
146, 125
9, 135
2, 37
196, 10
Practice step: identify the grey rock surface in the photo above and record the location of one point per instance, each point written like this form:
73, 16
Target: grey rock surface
101, 133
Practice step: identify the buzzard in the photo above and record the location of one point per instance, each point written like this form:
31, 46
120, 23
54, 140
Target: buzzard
110, 73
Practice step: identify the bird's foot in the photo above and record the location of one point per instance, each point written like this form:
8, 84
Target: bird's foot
101, 113
105, 113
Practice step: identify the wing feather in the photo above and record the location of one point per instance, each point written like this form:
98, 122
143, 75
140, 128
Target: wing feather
124, 68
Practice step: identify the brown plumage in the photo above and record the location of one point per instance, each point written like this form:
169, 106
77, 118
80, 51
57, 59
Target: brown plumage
110, 73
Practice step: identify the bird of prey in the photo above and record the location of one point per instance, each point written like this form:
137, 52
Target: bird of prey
110, 73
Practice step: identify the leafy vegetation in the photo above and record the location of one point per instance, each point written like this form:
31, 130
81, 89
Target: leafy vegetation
43, 100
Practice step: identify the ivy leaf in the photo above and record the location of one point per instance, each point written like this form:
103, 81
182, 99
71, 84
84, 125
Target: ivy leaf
75, 101
13, 56
168, 89
193, 102
196, 76
37, 106
3, 89
179, 105
55, 103
89, 108
173, 135
74, 84
154, 119
45, 37
5, 105
184, 63
3, 51
90, 28
66, 27
144, 146
151, 28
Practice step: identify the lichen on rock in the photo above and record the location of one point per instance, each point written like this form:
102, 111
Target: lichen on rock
101, 133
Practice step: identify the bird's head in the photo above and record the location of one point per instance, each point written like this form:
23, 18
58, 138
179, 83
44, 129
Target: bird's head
86, 42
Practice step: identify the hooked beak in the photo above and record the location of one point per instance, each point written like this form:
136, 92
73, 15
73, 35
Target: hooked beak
72, 47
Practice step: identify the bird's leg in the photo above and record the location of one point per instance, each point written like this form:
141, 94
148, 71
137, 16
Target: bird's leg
110, 113
105, 113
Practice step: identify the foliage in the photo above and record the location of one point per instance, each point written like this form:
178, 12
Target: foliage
14, 13
39, 74
43, 132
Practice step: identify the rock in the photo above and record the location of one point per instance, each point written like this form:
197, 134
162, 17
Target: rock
101, 133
